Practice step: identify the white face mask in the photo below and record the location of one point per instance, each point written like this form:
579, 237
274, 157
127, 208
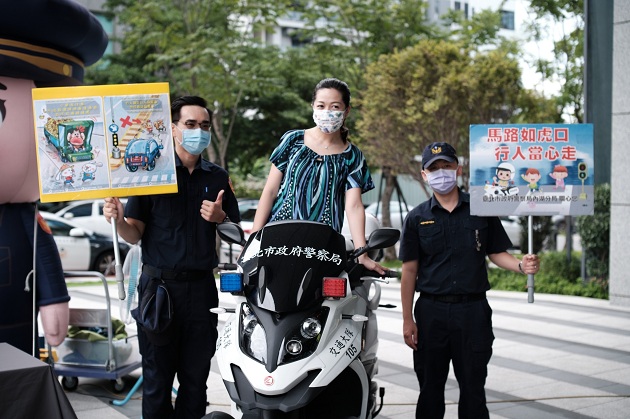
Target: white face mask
442, 181
328, 121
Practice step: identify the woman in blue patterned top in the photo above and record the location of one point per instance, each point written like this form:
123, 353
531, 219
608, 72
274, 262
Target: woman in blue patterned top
317, 173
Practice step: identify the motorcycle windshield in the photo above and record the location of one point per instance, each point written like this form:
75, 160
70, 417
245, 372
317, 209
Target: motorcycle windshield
284, 263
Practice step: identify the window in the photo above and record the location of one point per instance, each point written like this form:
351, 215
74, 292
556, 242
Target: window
458, 6
58, 229
82, 210
507, 20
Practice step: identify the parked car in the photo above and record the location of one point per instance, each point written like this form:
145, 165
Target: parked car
513, 229
247, 209
81, 249
88, 214
397, 212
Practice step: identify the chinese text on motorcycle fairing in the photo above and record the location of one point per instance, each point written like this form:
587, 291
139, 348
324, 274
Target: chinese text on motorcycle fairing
297, 251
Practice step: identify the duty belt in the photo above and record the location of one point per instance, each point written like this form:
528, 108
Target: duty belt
169, 274
454, 298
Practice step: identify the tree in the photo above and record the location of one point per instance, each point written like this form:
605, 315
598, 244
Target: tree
433, 92
568, 67
595, 235
354, 33
200, 47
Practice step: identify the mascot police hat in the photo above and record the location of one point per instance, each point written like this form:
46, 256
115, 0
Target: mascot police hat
42, 43
49, 41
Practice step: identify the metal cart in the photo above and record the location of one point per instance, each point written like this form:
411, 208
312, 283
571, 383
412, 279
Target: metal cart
107, 359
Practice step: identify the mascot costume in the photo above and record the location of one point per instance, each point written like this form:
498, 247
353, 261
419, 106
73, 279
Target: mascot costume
42, 43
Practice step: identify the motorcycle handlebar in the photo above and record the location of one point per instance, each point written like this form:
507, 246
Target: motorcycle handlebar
227, 266
388, 273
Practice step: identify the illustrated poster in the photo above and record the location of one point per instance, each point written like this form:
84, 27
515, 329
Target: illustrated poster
531, 169
100, 141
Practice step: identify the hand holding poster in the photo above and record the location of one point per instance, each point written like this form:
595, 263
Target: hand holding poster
99, 141
531, 169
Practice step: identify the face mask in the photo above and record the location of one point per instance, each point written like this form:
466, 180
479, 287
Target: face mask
328, 121
442, 181
195, 140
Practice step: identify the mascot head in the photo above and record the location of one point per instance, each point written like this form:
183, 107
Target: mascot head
50, 47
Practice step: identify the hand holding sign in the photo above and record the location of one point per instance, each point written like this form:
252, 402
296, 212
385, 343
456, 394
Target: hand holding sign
213, 211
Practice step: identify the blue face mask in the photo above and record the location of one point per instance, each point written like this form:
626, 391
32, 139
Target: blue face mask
195, 140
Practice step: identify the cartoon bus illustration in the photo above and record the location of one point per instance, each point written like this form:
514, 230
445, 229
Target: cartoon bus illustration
72, 139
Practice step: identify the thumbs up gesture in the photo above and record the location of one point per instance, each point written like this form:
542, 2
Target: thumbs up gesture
213, 211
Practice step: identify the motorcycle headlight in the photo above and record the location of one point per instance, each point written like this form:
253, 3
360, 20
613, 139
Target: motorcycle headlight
311, 328
303, 340
253, 339
294, 347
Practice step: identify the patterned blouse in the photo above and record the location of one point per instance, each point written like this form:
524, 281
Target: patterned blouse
314, 186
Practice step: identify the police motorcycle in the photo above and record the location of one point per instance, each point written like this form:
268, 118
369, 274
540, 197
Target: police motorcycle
301, 341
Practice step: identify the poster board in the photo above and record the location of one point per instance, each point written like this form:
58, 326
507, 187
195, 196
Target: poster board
531, 169
99, 141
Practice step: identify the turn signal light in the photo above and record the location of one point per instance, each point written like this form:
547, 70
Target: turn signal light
334, 287
231, 281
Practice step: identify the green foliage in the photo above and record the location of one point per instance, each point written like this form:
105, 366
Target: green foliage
555, 264
219, 50
533, 107
248, 183
361, 31
594, 231
264, 117
542, 228
433, 91
204, 48
568, 66
481, 29
556, 276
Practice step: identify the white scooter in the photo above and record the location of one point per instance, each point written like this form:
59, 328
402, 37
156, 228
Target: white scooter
302, 339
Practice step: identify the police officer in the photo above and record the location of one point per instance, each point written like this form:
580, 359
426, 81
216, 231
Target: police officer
443, 249
178, 253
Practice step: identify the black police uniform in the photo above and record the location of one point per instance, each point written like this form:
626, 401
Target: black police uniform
453, 317
178, 250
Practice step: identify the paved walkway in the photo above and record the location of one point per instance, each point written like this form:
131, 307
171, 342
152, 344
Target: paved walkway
561, 356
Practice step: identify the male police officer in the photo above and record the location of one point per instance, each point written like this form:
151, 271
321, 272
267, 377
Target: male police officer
443, 249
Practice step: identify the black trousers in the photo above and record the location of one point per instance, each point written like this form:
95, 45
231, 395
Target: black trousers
188, 354
461, 332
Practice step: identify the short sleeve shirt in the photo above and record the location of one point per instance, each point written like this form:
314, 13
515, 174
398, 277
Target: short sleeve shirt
451, 248
313, 186
176, 237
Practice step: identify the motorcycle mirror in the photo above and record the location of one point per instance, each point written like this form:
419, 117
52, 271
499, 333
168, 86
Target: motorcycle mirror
383, 237
231, 232
379, 239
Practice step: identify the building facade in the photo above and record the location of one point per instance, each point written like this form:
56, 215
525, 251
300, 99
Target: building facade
619, 292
